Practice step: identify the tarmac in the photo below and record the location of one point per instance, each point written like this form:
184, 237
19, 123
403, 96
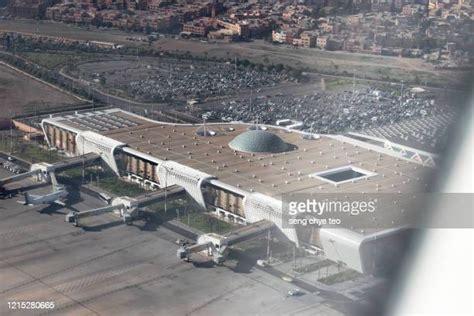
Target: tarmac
106, 267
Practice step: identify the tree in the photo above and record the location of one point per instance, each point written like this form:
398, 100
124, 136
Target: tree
279, 67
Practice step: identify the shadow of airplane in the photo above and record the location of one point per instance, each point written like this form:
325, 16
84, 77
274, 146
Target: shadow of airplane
205, 264
73, 196
242, 267
52, 209
101, 227
243, 264
148, 222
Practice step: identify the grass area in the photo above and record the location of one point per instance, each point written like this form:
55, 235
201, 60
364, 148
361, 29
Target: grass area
171, 206
205, 222
105, 180
314, 266
52, 60
119, 187
340, 277
333, 84
254, 246
31, 152
186, 212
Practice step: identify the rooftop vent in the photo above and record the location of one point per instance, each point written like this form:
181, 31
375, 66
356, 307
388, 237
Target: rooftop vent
257, 128
311, 136
205, 132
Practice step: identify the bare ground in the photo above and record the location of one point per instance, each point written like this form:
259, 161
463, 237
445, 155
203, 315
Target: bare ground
19, 94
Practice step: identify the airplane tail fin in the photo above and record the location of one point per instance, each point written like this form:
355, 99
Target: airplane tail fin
27, 198
54, 182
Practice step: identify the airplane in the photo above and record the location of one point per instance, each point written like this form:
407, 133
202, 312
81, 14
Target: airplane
6, 194
55, 196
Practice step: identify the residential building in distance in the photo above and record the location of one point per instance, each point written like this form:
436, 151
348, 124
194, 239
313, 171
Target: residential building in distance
322, 42
406, 28
29, 8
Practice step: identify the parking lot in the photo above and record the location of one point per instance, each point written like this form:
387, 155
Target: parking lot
224, 92
160, 80
330, 112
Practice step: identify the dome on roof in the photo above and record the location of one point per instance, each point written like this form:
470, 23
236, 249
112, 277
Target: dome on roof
255, 141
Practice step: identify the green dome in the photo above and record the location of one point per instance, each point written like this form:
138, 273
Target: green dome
256, 141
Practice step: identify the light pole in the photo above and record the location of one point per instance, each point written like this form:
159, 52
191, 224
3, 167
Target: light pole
401, 93
83, 159
268, 245
166, 189
11, 132
353, 83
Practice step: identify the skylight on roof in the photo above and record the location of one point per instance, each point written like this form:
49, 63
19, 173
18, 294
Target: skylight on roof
343, 174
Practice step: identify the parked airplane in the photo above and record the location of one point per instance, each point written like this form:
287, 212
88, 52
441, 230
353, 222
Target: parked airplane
55, 196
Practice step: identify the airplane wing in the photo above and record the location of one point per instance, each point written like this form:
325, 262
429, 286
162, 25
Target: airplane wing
59, 202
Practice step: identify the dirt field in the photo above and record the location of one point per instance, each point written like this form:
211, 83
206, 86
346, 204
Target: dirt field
20, 94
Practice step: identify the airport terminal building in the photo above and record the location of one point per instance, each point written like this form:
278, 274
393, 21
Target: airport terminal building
242, 171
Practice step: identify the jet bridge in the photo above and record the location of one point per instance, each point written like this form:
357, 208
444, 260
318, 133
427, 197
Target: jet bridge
19, 177
42, 170
74, 217
127, 207
217, 246
74, 162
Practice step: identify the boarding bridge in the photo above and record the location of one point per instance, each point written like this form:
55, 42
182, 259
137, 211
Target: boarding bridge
217, 246
42, 170
73, 217
74, 162
19, 177
127, 207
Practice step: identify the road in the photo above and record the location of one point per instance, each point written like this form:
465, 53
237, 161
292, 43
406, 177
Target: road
109, 99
